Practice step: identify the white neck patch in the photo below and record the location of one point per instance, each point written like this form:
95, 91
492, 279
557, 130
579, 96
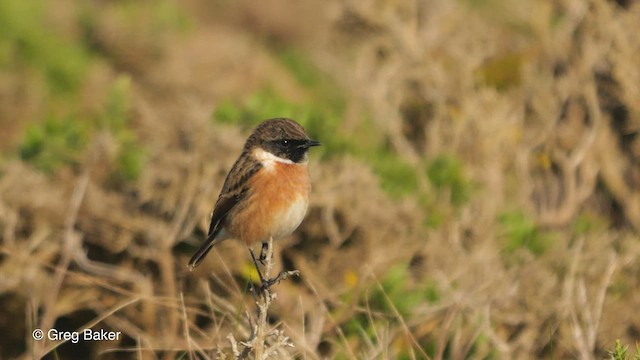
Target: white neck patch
268, 160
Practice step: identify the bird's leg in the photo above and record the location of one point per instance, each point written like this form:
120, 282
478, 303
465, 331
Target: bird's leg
265, 283
267, 254
263, 253
255, 262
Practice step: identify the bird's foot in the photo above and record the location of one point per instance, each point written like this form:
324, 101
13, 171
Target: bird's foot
284, 275
267, 283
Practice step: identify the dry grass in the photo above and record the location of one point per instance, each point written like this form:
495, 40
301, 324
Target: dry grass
539, 102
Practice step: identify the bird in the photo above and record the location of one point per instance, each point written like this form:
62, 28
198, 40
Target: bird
266, 193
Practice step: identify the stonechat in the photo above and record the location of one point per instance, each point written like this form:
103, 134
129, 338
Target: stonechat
266, 193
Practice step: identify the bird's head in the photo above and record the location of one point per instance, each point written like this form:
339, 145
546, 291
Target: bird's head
283, 138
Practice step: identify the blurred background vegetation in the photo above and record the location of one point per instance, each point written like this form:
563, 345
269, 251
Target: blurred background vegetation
477, 194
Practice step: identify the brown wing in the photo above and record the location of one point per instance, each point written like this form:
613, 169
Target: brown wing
233, 191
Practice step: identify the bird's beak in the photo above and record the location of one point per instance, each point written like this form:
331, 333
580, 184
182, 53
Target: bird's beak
310, 143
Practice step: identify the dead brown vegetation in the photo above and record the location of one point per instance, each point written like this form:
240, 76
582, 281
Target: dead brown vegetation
540, 101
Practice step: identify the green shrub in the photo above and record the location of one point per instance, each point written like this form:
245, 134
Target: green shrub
54, 142
620, 352
115, 119
446, 172
397, 177
521, 232
394, 295
27, 39
131, 158
57, 142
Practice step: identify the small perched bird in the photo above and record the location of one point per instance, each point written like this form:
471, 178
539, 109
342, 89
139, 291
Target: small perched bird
266, 193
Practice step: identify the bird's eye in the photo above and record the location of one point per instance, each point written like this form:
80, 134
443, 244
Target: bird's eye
284, 142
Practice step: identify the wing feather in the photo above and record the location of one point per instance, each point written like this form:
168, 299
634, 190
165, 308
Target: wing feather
233, 191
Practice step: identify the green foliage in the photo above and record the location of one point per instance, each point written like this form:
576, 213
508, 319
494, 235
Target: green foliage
29, 42
228, 112
394, 293
58, 142
620, 352
58, 63
521, 232
446, 172
451, 187
299, 66
115, 118
434, 217
397, 177
264, 104
27, 39
115, 114
310, 77
131, 158
54, 142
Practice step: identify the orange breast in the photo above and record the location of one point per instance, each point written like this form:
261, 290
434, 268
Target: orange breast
275, 205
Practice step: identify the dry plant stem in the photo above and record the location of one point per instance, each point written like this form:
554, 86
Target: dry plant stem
264, 296
263, 306
186, 326
49, 314
585, 315
165, 258
397, 314
95, 321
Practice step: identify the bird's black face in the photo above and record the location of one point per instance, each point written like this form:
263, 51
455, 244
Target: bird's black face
291, 149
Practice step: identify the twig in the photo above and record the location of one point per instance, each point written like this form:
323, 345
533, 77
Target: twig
264, 341
266, 296
49, 314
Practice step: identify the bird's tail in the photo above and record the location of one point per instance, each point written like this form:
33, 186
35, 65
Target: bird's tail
197, 258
